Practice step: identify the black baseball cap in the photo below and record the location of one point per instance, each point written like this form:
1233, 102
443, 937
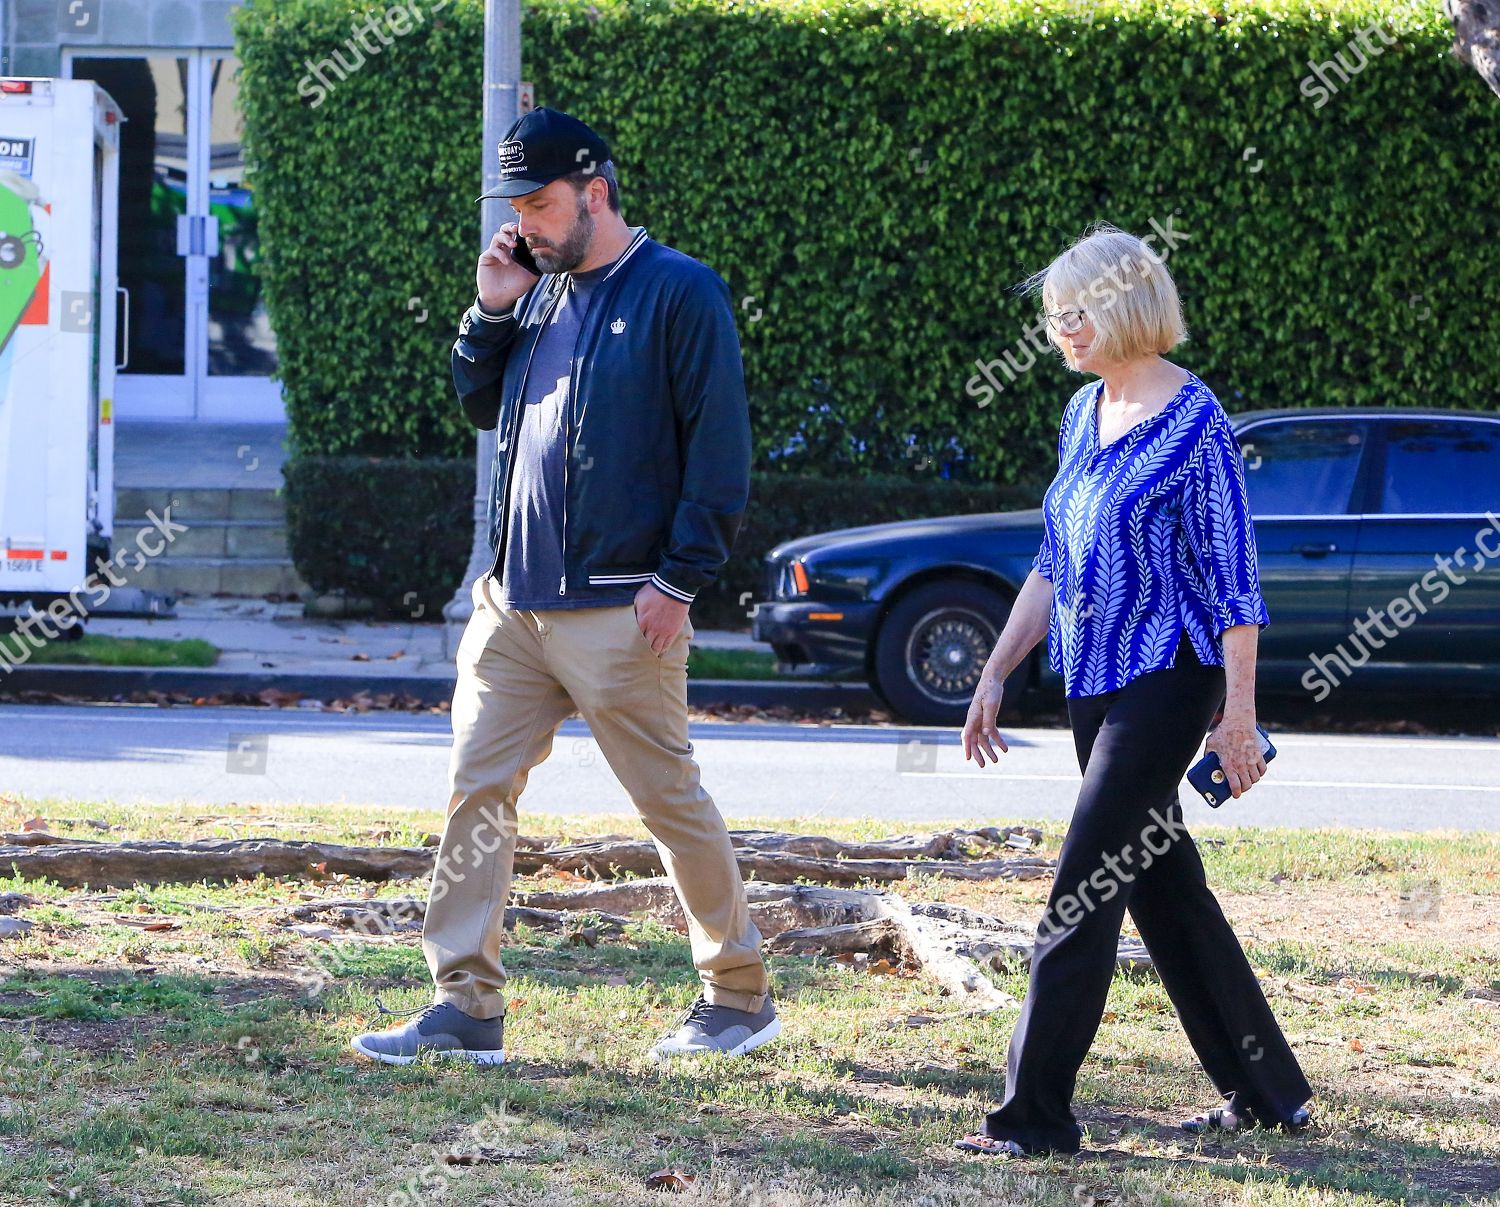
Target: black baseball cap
543, 146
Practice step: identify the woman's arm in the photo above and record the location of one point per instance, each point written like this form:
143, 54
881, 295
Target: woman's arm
1221, 531
1234, 739
1026, 625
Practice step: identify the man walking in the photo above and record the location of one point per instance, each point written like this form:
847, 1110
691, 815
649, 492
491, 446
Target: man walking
621, 477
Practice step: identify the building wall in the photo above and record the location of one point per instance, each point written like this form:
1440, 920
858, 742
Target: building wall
35, 31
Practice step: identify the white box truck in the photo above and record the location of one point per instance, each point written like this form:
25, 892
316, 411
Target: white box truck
59, 191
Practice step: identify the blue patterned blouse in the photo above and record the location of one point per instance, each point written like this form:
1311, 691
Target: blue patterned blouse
1145, 538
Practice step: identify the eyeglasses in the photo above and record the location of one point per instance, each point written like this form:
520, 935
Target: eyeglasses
1067, 322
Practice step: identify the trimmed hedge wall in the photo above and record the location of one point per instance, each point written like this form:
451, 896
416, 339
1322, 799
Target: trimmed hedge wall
398, 530
393, 530
871, 178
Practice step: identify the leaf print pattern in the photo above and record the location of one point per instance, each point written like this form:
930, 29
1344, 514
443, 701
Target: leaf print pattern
1144, 539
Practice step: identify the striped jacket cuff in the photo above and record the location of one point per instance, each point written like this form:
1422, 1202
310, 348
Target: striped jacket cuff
492, 316
667, 588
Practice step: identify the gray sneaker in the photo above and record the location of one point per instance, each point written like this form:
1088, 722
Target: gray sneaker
709, 1028
442, 1029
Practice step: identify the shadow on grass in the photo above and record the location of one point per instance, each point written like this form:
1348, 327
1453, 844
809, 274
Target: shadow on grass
258, 1024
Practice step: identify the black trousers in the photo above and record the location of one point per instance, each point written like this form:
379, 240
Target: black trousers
1126, 847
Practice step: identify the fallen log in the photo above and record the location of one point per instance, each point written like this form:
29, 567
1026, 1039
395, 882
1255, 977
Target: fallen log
956, 946
38, 838
951, 944
877, 936
124, 864
393, 915
610, 858
761, 855
785, 869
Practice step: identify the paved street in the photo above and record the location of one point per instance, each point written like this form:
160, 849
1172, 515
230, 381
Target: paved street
911, 777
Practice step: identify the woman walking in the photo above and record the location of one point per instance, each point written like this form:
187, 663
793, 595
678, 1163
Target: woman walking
1146, 588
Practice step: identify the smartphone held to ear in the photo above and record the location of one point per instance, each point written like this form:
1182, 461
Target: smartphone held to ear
521, 254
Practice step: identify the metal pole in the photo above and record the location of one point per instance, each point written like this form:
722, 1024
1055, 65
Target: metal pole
502, 103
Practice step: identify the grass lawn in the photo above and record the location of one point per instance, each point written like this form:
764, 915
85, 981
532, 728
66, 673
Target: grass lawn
95, 650
185, 1063
708, 663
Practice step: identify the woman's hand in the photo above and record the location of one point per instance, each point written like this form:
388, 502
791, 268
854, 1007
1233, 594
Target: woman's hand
979, 727
1237, 744
1024, 627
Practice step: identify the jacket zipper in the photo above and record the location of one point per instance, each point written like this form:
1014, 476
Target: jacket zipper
503, 503
562, 583
636, 241
562, 586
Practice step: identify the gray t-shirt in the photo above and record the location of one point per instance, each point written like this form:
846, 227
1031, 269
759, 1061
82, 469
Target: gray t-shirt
533, 571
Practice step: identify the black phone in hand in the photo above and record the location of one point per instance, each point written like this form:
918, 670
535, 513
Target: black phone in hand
521, 254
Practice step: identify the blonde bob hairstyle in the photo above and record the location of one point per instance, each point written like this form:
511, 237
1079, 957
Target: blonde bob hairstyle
1124, 288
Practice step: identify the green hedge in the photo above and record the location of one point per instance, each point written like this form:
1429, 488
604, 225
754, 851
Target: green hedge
397, 529
871, 178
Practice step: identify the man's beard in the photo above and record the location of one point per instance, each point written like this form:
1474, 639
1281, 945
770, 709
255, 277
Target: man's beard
569, 254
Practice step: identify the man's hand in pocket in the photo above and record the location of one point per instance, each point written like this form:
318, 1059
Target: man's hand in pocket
660, 617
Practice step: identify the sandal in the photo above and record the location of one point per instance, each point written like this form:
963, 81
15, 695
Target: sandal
979, 1142
1224, 1119
1220, 1119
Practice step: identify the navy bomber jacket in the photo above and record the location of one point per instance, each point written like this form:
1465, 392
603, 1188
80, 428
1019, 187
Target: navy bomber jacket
657, 472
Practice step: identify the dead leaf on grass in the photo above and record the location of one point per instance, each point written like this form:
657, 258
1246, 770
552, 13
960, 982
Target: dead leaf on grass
671, 1179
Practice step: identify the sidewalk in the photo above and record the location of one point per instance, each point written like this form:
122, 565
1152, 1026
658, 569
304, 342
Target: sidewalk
270, 652
255, 637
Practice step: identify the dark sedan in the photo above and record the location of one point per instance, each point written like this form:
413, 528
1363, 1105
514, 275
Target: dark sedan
1379, 550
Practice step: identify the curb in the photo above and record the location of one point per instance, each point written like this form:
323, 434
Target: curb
105, 683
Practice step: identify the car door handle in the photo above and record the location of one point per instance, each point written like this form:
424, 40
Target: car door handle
1319, 549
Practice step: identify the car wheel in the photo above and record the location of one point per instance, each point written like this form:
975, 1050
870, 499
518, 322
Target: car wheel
932, 647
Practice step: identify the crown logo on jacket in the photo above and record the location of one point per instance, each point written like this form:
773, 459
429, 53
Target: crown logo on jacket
617, 326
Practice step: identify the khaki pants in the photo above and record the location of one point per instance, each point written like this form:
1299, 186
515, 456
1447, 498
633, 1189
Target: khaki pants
520, 674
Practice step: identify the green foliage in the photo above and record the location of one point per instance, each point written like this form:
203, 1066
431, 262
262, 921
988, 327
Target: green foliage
397, 530
872, 178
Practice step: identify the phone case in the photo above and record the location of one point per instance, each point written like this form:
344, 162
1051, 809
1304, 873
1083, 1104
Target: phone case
1208, 778
521, 254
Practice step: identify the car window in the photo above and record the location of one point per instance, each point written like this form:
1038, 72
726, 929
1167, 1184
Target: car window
1302, 467
1441, 466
